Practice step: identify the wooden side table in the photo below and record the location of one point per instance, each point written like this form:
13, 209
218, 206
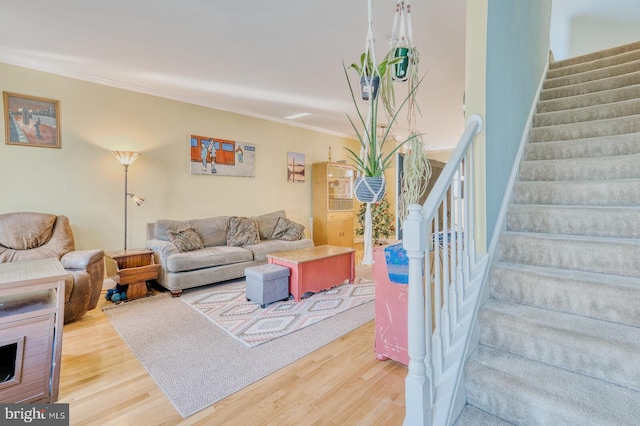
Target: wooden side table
132, 268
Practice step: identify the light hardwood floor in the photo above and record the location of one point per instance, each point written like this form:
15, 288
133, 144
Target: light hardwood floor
340, 384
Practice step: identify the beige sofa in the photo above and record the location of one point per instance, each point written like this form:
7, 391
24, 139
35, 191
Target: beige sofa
221, 251
31, 236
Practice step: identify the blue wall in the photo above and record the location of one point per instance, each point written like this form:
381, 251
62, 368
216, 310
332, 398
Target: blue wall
517, 52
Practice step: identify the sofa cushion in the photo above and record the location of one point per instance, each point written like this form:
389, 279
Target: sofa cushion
287, 230
206, 258
242, 231
186, 239
212, 230
267, 222
25, 230
260, 251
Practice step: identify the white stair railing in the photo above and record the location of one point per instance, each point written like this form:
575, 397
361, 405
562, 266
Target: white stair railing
439, 241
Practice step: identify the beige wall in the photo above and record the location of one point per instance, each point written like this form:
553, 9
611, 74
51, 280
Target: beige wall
590, 33
83, 181
441, 155
475, 103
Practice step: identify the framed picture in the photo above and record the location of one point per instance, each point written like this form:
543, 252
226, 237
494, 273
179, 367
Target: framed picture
221, 157
295, 167
31, 121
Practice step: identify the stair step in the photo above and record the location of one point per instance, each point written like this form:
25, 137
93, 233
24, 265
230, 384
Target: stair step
560, 336
599, 111
594, 56
589, 254
523, 391
595, 64
471, 416
587, 294
613, 192
587, 129
592, 75
604, 146
601, 85
589, 99
598, 221
618, 167
571, 342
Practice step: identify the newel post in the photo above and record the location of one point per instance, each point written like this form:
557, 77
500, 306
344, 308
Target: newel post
418, 393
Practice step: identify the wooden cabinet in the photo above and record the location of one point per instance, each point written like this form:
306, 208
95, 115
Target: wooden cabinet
31, 320
332, 204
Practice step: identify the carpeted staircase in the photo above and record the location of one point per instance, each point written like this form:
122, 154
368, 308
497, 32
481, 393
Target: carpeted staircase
560, 335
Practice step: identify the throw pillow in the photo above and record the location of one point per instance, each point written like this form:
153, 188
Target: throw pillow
185, 239
242, 231
287, 230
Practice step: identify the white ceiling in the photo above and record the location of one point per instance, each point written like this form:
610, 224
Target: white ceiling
268, 59
583, 26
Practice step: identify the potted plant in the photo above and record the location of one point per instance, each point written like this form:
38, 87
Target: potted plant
370, 165
372, 77
417, 169
401, 67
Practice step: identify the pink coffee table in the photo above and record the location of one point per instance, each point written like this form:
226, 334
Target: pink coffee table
317, 268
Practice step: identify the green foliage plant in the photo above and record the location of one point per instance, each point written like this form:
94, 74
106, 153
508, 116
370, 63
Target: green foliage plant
366, 68
374, 161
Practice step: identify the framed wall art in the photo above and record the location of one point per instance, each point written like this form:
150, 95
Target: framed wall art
221, 157
31, 121
295, 167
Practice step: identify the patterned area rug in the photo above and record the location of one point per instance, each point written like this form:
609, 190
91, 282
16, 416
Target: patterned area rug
252, 325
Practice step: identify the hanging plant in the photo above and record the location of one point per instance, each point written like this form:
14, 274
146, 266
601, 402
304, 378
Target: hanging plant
400, 69
416, 172
416, 168
372, 162
413, 79
370, 189
372, 76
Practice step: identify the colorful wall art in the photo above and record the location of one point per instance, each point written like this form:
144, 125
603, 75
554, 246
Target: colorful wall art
222, 157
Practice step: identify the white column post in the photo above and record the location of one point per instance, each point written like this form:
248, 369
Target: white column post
418, 392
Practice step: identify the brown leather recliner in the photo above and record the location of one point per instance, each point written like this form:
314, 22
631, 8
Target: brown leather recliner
30, 236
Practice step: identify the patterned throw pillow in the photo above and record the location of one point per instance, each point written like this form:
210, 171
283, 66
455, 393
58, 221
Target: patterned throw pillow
287, 230
242, 231
186, 239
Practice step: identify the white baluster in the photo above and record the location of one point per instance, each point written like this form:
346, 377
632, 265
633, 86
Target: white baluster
446, 312
455, 203
419, 392
438, 354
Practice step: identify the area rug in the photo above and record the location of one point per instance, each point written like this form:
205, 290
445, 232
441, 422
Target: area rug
252, 325
196, 363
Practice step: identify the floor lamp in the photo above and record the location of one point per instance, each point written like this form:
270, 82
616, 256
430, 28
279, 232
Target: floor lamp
126, 158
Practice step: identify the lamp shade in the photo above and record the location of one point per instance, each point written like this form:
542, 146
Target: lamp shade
136, 199
126, 157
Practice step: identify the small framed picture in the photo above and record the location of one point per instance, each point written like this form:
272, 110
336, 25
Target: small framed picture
295, 167
31, 121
